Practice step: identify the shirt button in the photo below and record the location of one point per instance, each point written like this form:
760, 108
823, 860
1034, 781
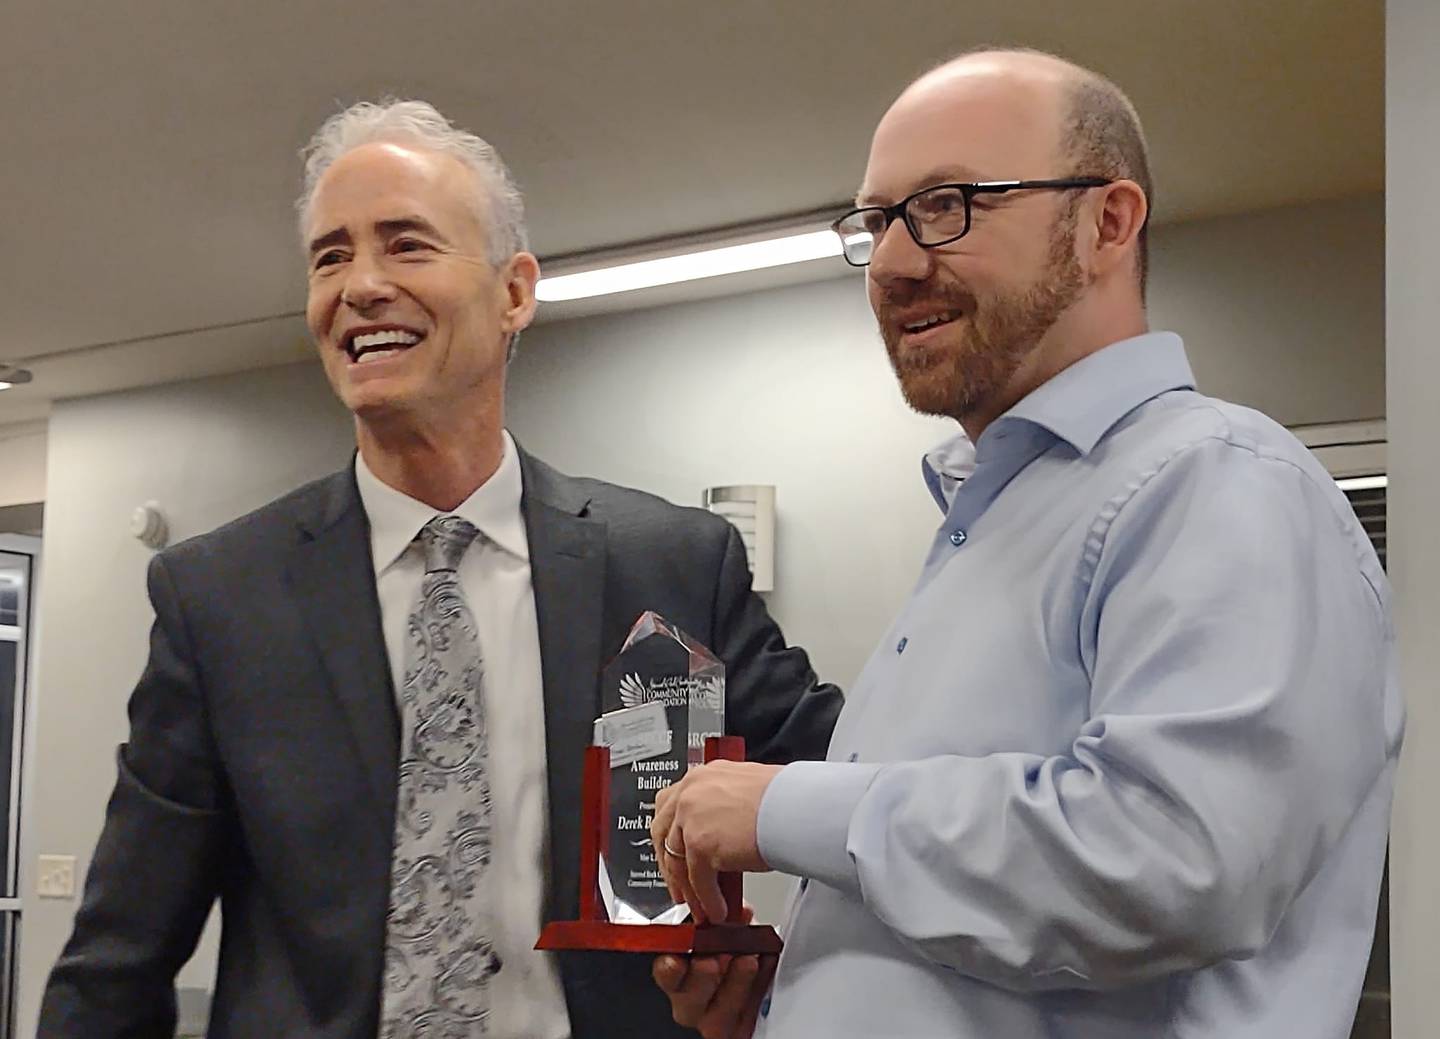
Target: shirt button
957, 538
900, 646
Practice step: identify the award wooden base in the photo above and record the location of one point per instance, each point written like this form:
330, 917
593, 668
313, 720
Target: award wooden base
594, 930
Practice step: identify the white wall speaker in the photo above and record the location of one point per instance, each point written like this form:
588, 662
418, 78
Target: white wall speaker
751, 509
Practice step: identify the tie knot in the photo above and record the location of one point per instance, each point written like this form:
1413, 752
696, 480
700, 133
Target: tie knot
445, 539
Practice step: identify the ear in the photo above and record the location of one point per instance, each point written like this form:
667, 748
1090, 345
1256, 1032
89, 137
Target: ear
1122, 213
519, 277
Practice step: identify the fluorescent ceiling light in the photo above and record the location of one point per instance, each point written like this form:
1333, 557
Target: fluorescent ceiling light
708, 263
1363, 483
6, 385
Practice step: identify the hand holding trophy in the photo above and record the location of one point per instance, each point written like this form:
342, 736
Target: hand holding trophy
664, 711
706, 824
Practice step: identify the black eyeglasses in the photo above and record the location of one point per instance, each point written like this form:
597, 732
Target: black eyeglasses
934, 216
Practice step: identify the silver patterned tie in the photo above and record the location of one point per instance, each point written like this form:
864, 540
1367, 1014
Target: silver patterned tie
438, 955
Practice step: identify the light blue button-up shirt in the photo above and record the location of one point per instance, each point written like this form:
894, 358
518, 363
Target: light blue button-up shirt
1122, 768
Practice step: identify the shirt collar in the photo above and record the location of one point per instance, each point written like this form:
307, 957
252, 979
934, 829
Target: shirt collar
396, 518
1083, 403
1079, 405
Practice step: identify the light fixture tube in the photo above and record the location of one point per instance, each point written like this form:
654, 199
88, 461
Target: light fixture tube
1363, 483
706, 263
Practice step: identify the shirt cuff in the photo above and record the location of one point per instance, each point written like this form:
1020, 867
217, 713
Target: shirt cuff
804, 822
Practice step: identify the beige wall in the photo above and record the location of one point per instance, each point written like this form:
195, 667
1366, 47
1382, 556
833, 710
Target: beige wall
1413, 343
787, 387
1283, 310
22, 463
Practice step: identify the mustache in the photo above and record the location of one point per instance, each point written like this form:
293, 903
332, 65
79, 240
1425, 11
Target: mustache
945, 297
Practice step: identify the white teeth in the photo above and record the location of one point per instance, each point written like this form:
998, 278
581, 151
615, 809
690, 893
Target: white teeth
375, 355
932, 321
372, 339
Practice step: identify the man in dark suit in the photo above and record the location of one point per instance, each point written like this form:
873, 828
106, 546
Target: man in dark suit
362, 721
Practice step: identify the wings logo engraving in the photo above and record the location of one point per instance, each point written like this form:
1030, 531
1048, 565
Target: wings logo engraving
712, 693
633, 692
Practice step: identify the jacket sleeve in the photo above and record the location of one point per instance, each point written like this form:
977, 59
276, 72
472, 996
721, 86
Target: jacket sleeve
1242, 713
773, 697
154, 874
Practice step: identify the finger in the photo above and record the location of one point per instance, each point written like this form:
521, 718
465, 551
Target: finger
704, 885
689, 1002
670, 972
729, 1002
759, 992
672, 866
684, 892
664, 809
663, 821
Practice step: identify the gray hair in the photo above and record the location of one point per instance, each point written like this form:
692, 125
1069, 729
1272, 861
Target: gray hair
500, 205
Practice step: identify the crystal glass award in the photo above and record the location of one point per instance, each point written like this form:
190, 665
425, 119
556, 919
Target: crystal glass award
663, 699
665, 692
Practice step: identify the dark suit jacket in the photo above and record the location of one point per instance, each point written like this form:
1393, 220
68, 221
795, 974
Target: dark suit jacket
262, 758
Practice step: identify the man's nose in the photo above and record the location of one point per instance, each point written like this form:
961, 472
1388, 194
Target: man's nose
896, 256
366, 285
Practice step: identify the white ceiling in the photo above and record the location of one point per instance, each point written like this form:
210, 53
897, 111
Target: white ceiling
150, 146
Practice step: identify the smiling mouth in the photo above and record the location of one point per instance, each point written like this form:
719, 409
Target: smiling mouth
927, 323
368, 347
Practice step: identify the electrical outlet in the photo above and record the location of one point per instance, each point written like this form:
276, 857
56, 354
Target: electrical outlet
57, 876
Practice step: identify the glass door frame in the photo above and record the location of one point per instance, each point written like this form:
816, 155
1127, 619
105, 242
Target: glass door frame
10, 904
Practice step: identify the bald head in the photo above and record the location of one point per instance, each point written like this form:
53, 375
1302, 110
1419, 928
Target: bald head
1017, 64
1023, 114
1030, 81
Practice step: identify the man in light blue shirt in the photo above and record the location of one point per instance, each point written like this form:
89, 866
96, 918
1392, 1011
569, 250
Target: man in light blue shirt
1122, 767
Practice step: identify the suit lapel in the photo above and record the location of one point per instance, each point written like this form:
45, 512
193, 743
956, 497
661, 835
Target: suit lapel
332, 577
567, 566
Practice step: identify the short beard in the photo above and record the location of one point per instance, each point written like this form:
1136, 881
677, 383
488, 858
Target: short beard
998, 337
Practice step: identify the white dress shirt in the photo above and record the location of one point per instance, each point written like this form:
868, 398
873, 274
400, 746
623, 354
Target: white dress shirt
528, 1000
